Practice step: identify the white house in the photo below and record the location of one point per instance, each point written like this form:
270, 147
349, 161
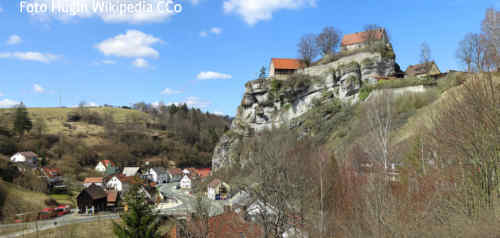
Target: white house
186, 182
103, 165
158, 175
24, 157
130, 171
115, 183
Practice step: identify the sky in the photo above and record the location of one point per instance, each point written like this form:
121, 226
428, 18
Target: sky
199, 52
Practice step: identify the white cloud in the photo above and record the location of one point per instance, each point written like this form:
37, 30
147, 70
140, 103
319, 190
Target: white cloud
30, 56
139, 13
38, 88
14, 40
213, 75
216, 30
1, 9
218, 113
108, 62
213, 30
254, 11
91, 104
197, 102
132, 44
168, 91
8, 103
140, 63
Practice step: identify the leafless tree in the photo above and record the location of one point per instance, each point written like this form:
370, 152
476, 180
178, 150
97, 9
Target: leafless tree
425, 53
379, 116
328, 40
308, 50
490, 28
465, 51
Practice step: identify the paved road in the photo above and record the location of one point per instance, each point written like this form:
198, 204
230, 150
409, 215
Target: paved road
188, 201
32, 227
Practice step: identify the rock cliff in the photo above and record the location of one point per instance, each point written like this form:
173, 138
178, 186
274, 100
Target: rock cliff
269, 103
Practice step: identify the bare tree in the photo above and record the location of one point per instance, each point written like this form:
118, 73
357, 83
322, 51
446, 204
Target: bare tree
308, 50
379, 115
490, 28
328, 40
425, 53
373, 33
465, 51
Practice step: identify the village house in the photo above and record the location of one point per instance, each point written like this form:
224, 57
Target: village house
360, 40
175, 174
99, 181
158, 175
218, 190
112, 199
93, 197
106, 166
25, 157
423, 70
131, 171
185, 182
229, 225
281, 69
114, 183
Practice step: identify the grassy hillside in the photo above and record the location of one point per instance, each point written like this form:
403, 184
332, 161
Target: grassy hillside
15, 200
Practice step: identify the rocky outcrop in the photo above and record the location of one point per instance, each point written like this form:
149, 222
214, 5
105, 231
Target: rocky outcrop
269, 103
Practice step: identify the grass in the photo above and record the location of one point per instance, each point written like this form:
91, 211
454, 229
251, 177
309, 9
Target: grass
15, 200
63, 198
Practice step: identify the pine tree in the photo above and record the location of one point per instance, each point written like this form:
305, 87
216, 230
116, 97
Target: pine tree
139, 221
22, 122
262, 73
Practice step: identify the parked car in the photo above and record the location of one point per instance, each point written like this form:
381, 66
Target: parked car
62, 210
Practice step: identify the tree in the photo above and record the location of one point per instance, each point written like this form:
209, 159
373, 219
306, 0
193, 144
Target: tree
262, 73
22, 122
372, 35
490, 28
425, 53
328, 41
308, 50
465, 52
139, 221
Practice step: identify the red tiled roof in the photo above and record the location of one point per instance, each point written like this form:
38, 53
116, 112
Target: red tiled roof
204, 172
108, 163
360, 37
418, 69
286, 63
51, 172
93, 180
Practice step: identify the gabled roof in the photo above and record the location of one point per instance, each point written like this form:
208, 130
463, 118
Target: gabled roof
204, 172
107, 163
419, 69
28, 155
130, 171
93, 180
95, 192
281, 63
361, 37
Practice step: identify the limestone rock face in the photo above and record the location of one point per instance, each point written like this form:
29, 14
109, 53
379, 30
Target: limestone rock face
271, 103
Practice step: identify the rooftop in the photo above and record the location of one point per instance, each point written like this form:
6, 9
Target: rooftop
281, 63
361, 37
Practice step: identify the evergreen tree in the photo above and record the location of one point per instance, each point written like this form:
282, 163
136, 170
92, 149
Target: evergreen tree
139, 221
262, 73
22, 122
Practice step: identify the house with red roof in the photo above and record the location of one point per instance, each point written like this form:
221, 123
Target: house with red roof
359, 40
281, 68
105, 166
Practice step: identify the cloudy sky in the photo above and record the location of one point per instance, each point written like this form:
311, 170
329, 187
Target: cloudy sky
201, 55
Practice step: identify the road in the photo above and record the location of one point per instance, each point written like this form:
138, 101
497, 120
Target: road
70, 219
188, 201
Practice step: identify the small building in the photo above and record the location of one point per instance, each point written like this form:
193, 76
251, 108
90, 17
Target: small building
158, 175
25, 157
360, 40
94, 197
281, 68
175, 174
105, 165
131, 171
112, 199
423, 70
218, 190
186, 182
99, 181
114, 183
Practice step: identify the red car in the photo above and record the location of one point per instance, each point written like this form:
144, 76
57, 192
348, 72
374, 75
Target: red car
47, 213
62, 210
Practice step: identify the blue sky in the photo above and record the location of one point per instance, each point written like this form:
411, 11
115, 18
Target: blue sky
202, 55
